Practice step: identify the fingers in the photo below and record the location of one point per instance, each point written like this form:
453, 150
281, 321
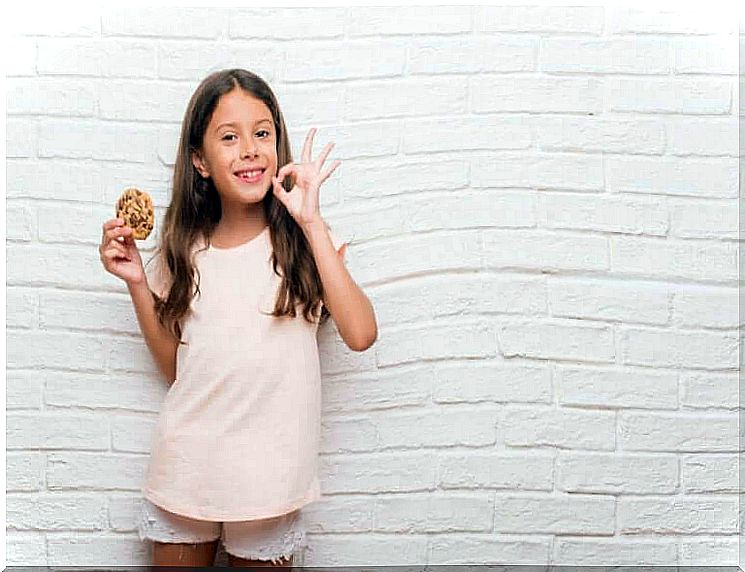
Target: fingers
113, 229
111, 248
324, 154
108, 226
307, 152
284, 170
326, 174
114, 250
279, 191
117, 251
308, 146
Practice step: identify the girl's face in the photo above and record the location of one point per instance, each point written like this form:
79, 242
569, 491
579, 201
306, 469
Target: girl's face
240, 136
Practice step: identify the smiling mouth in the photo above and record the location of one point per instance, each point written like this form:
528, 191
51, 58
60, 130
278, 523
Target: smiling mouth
255, 179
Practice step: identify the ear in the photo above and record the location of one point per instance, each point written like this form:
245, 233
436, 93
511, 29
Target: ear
199, 165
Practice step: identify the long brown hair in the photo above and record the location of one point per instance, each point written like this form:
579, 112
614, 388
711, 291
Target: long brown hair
195, 210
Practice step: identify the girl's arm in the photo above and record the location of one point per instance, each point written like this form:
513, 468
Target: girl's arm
348, 305
161, 343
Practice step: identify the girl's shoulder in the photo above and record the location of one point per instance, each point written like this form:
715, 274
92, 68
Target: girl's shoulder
157, 271
157, 274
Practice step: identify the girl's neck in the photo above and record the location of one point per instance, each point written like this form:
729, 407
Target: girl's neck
225, 236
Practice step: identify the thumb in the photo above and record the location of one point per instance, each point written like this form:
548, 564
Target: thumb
129, 240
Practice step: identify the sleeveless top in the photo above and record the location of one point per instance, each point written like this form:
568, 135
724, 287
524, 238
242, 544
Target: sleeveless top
238, 433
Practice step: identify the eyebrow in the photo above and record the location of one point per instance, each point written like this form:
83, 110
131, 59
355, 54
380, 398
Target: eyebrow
234, 124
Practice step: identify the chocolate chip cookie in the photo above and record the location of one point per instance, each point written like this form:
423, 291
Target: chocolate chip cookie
135, 208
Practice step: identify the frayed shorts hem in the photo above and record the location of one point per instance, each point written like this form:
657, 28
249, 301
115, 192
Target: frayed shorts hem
274, 539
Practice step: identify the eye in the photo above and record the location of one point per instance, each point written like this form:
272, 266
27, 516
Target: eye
225, 137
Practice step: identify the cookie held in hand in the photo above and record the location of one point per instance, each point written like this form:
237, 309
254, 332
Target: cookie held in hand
135, 208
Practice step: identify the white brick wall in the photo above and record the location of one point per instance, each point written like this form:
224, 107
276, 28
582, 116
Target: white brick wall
543, 203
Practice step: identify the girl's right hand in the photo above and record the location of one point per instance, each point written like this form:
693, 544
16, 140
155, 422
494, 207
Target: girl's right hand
122, 259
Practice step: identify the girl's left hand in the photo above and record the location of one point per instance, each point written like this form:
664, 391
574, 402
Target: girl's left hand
302, 200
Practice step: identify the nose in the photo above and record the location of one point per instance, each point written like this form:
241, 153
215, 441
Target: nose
249, 150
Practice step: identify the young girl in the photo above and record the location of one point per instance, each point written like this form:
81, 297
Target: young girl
230, 311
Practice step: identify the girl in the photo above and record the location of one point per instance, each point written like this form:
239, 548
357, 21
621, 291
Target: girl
234, 456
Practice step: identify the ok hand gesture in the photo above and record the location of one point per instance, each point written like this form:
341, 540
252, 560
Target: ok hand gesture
302, 200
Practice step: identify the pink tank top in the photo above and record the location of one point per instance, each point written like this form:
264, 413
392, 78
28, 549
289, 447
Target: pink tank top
238, 433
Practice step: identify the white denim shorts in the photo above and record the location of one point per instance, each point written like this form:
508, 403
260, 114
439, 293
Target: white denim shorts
265, 539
